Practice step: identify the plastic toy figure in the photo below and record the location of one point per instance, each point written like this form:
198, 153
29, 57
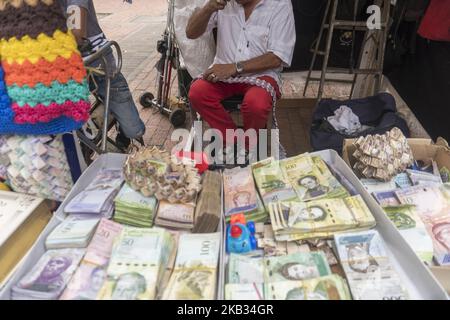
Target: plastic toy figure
240, 235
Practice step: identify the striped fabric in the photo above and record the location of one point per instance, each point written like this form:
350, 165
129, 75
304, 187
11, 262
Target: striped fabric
43, 71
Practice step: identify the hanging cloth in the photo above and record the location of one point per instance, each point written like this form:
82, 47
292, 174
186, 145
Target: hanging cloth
436, 22
43, 71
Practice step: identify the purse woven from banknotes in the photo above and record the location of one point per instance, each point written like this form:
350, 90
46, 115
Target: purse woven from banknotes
43, 71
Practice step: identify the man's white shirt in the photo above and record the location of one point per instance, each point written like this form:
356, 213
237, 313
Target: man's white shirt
270, 28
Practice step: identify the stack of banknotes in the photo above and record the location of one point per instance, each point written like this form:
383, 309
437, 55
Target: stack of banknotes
311, 178
196, 268
370, 273
411, 227
49, 277
133, 208
98, 197
241, 196
432, 203
175, 215
208, 210
272, 184
319, 218
138, 261
36, 165
74, 232
299, 276
91, 274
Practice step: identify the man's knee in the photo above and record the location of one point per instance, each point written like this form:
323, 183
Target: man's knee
196, 92
133, 131
258, 102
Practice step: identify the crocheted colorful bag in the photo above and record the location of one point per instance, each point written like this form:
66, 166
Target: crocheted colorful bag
44, 73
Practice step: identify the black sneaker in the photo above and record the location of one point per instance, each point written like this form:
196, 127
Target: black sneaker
122, 141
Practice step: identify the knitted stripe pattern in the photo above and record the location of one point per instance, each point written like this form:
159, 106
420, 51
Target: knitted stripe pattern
43, 70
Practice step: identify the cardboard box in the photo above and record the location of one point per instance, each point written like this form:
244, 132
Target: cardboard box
422, 149
442, 274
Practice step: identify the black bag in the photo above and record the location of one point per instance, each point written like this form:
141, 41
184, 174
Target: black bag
379, 112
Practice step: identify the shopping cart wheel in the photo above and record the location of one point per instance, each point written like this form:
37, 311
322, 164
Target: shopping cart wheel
146, 100
177, 117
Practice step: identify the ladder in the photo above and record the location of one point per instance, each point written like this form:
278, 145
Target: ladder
371, 58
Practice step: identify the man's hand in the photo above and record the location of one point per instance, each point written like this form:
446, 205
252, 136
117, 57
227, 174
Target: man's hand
216, 5
220, 72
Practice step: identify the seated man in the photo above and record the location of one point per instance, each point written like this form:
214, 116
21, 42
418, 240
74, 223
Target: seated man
121, 102
255, 40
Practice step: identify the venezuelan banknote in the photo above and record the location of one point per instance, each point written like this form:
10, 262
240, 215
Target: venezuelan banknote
331, 287
370, 273
91, 275
138, 261
319, 218
196, 268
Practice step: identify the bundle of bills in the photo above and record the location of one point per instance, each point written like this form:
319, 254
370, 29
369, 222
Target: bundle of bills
196, 268
433, 205
331, 287
175, 215
296, 267
267, 243
244, 291
74, 232
386, 198
311, 178
411, 227
424, 178
49, 277
99, 195
239, 191
272, 184
91, 275
369, 271
382, 156
260, 214
245, 269
133, 208
209, 206
138, 261
36, 165
170, 264
319, 218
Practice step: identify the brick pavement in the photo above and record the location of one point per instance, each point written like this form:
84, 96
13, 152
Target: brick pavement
137, 28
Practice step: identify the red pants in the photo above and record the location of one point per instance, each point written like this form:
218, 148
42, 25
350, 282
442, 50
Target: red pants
205, 97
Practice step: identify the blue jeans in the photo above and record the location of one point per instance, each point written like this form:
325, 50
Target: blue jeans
122, 105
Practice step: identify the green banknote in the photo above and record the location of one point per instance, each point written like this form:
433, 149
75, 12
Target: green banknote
297, 266
244, 291
138, 261
311, 178
196, 268
271, 182
245, 269
369, 271
331, 287
319, 218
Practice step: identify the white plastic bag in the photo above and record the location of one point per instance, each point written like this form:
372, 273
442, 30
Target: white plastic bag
198, 55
